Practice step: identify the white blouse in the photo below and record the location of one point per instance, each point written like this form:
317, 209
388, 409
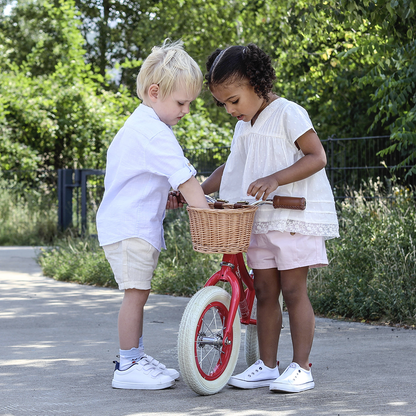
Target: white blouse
268, 147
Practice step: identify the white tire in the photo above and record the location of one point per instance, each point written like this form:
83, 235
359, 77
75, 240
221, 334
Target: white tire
251, 344
205, 362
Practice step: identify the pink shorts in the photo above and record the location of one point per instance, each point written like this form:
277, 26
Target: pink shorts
285, 251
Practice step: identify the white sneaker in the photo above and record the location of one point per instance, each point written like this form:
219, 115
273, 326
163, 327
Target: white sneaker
293, 380
171, 372
142, 376
257, 375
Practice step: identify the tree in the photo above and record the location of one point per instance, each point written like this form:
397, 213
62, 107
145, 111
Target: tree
350, 63
392, 74
305, 39
53, 102
56, 106
120, 34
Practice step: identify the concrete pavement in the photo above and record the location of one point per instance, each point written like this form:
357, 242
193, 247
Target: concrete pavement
58, 341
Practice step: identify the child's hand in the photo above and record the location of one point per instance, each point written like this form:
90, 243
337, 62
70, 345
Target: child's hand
263, 187
175, 200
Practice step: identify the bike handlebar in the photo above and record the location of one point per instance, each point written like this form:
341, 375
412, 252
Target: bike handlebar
278, 201
287, 202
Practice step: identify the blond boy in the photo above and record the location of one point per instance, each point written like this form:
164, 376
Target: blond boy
144, 162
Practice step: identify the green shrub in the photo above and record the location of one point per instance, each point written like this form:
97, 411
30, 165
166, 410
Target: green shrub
182, 271
77, 260
371, 276
372, 271
26, 219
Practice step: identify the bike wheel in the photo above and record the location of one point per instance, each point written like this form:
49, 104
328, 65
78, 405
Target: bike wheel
205, 361
251, 344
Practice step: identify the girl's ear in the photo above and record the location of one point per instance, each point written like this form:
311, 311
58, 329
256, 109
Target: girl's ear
153, 92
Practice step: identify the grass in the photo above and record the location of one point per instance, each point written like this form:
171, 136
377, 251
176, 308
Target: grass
372, 271
27, 219
77, 260
180, 271
371, 276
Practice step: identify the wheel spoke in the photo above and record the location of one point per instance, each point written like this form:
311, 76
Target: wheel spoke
209, 354
205, 360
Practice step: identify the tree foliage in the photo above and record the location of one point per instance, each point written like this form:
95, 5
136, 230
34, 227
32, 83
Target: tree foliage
54, 106
69, 68
392, 75
350, 63
120, 34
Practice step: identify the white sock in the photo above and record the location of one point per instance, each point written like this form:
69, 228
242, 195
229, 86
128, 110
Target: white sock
129, 357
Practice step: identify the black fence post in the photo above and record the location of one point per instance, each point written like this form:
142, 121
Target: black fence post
64, 198
84, 196
84, 173
330, 165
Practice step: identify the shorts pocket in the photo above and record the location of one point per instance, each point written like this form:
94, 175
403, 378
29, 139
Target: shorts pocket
112, 247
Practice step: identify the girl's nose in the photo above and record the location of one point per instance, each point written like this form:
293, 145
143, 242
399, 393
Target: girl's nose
229, 109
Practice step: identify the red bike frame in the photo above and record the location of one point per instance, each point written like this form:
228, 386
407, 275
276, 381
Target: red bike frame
234, 271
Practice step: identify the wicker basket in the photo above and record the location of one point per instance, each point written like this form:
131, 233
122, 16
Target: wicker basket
225, 230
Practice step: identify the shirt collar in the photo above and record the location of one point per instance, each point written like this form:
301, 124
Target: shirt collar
142, 108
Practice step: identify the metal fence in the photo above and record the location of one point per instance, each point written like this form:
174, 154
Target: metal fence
79, 191
350, 161
206, 160
79, 194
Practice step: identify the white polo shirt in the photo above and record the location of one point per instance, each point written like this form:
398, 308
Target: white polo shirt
144, 161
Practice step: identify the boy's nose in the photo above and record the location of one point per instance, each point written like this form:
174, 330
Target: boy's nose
186, 108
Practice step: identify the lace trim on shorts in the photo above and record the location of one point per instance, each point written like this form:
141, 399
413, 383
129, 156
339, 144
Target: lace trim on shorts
327, 231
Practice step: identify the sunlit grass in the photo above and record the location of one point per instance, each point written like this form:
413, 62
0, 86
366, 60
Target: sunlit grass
372, 271
29, 219
371, 276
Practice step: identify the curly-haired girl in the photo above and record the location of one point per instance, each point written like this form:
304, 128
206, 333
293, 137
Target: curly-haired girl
275, 150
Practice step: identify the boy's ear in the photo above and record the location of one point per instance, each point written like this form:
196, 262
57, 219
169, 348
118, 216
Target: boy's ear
153, 92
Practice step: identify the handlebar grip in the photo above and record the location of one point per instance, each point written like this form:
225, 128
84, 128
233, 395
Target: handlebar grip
289, 202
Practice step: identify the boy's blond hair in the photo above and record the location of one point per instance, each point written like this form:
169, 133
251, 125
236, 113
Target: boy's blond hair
169, 66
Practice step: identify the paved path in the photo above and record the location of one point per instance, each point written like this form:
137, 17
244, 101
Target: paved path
58, 340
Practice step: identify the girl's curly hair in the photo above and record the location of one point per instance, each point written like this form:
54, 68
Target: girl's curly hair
237, 63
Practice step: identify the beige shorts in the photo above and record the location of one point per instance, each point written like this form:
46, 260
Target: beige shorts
286, 251
133, 262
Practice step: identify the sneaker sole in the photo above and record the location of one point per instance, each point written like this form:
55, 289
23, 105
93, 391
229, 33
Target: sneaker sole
287, 388
241, 384
142, 386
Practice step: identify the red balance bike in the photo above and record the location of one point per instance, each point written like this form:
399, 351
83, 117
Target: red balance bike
210, 329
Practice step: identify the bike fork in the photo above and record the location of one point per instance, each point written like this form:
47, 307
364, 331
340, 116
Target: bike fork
227, 274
